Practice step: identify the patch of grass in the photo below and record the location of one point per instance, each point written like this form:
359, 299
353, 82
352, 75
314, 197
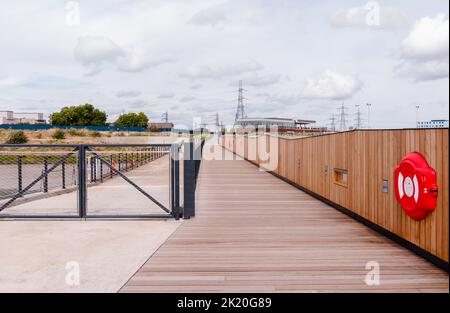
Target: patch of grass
76, 132
17, 138
59, 134
95, 134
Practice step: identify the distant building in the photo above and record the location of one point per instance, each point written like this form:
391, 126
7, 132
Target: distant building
272, 121
285, 125
11, 118
161, 126
433, 124
6, 117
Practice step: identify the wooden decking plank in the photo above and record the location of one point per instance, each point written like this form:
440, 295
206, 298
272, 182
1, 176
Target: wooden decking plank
255, 233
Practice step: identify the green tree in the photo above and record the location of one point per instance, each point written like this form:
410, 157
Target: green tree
132, 120
81, 115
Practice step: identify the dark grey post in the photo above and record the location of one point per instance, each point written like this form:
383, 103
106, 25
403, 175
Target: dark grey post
92, 169
63, 174
46, 174
94, 166
120, 163
82, 181
20, 172
172, 180
175, 180
110, 162
189, 180
101, 172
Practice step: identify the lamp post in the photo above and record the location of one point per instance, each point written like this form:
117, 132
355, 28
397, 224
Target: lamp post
368, 114
417, 115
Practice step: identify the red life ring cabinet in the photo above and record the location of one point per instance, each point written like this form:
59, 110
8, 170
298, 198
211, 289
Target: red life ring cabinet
415, 186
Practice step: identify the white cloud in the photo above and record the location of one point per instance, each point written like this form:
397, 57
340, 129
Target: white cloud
93, 51
423, 70
196, 71
212, 16
139, 59
256, 80
281, 100
428, 39
369, 15
331, 85
187, 99
128, 94
166, 95
425, 50
10, 82
137, 104
195, 86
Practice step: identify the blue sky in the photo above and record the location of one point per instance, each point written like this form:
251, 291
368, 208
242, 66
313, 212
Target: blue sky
297, 59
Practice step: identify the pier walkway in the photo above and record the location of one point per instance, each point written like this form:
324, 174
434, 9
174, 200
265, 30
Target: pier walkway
255, 233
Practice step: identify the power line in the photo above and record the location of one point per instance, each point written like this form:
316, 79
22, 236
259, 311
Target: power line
240, 111
342, 118
217, 120
358, 118
165, 117
333, 122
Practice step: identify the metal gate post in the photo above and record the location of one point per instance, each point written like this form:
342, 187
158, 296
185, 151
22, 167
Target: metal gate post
82, 190
175, 180
19, 172
189, 180
63, 174
46, 174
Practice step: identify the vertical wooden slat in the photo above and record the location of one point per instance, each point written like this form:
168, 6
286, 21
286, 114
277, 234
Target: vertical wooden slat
370, 157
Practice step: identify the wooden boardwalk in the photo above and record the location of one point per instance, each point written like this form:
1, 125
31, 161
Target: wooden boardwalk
256, 233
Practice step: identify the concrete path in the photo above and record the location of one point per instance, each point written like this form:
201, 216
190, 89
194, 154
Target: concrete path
34, 254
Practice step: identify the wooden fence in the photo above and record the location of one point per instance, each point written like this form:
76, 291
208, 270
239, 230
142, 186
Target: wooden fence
355, 170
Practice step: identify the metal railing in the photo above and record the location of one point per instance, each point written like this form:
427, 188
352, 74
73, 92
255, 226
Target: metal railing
30, 173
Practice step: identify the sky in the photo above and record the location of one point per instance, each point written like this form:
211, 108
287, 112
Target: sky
297, 59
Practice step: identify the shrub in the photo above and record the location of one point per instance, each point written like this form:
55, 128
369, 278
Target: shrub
59, 134
16, 138
75, 132
39, 135
95, 134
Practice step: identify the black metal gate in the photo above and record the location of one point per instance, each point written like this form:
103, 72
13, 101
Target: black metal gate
87, 181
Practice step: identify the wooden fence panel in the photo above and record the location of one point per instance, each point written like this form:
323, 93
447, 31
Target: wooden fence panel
370, 157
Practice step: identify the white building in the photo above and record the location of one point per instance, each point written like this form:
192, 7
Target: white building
6, 117
433, 124
10, 117
272, 121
